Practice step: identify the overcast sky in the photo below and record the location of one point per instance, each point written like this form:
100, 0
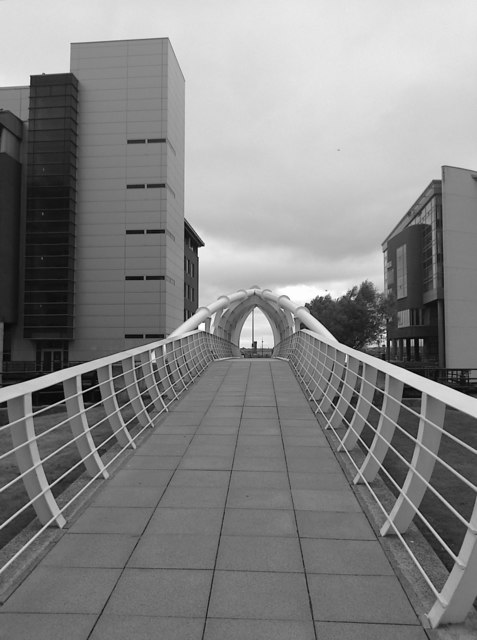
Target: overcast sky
311, 125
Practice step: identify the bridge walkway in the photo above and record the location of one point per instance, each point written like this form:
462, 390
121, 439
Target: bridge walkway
232, 521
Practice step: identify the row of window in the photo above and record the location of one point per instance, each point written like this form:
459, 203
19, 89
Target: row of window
141, 336
151, 141
189, 292
151, 185
410, 318
189, 267
151, 277
150, 231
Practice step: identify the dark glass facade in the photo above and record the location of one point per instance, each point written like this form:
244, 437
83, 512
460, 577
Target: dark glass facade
413, 275
51, 208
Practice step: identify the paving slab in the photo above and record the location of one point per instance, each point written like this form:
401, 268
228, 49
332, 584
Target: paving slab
353, 598
258, 630
131, 627
91, 550
259, 595
161, 592
175, 551
233, 520
257, 553
63, 590
46, 626
362, 631
259, 522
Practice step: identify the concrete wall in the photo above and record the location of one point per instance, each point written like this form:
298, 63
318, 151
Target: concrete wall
128, 90
459, 219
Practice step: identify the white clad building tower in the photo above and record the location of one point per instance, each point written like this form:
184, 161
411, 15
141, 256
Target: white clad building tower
130, 206
92, 196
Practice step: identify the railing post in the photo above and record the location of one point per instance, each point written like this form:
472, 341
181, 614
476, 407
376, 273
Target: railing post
337, 360
29, 461
344, 401
460, 590
73, 391
150, 380
363, 407
320, 374
110, 403
172, 364
422, 463
134, 393
384, 432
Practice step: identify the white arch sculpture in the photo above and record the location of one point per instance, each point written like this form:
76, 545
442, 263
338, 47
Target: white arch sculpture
226, 316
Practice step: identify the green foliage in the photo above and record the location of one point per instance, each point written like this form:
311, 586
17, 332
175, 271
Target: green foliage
357, 318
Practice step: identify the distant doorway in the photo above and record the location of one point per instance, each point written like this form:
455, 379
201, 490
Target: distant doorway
51, 360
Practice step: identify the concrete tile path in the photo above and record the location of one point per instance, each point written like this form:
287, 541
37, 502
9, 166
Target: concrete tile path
233, 521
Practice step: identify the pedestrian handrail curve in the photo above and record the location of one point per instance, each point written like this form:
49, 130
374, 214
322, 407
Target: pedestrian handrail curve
112, 400
368, 405
109, 403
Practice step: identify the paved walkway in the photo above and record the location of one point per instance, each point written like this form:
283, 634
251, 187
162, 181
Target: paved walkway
233, 521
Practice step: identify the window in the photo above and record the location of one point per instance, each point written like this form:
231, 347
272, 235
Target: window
155, 231
158, 336
137, 141
135, 186
156, 140
403, 318
155, 278
134, 336
130, 232
401, 271
134, 277
153, 185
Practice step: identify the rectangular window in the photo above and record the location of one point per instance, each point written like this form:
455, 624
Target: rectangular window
401, 271
156, 140
135, 186
135, 336
156, 185
403, 318
157, 336
155, 231
134, 277
155, 278
131, 232
137, 141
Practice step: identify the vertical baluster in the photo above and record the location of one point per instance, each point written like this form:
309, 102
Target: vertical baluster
344, 401
133, 391
337, 362
423, 462
110, 403
29, 461
363, 407
460, 590
384, 432
73, 391
150, 378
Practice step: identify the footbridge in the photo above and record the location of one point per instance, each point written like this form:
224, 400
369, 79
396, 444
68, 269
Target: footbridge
177, 490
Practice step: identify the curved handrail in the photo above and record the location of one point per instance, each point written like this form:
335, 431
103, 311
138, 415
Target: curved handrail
346, 387
129, 393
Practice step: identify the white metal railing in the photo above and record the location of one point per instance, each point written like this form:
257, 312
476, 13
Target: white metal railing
389, 421
108, 401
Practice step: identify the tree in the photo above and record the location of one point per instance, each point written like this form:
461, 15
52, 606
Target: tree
357, 318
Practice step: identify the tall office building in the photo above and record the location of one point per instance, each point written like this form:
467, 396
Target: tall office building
430, 269
92, 196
